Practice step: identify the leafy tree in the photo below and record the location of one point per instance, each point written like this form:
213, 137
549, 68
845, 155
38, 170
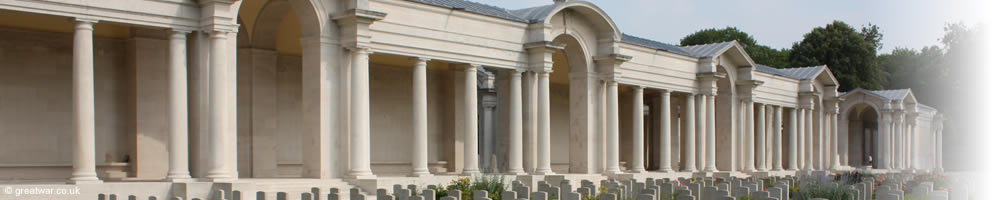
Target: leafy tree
759, 53
849, 54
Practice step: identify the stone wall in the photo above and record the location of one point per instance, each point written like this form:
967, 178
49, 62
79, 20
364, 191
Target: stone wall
36, 103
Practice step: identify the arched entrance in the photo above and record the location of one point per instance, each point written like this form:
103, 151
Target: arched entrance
862, 132
278, 57
569, 87
724, 127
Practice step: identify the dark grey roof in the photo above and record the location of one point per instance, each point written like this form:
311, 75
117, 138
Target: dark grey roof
474, 7
643, 42
803, 73
897, 94
708, 50
771, 70
534, 14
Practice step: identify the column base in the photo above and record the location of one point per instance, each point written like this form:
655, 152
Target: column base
517, 173
360, 175
711, 170
470, 172
637, 171
613, 172
777, 169
179, 179
84, 180
665, 170
421, 174
543, 172
218, 180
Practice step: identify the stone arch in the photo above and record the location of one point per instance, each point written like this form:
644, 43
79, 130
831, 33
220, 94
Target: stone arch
725, 125
571, 114
861, 122
279, 81
593, 14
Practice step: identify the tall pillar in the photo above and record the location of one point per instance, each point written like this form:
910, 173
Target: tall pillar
914, 144
749, 137
761, 136
793, 139
664, 116
819, 134
776, 134
223, 109
699, 131
883, 137
638, 163
544, 129
710, 133
84, 164
768, 136
515, 163
938, 152
530, 108
177, 107
471, 128
612, 141
419, 162
836, 140
899, 140
808, 132
360, 166
689, 131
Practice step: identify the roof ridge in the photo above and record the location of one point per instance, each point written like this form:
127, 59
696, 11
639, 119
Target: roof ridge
716, 43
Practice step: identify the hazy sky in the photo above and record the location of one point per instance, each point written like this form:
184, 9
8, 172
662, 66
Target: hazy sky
779, 23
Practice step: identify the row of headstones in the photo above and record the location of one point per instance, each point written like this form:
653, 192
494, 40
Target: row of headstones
314, 194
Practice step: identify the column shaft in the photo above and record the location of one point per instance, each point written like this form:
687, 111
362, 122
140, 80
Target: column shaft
612, 141
793, 139
808, 132
223, 102
471, 128
84, 164
530, 108
360, 166
776, 134
710, 133
516, 166
761, 136
177, 107
664, 116
699, 131
689, 137
544, 129
748, 136
638, 163
419, 161
834, 141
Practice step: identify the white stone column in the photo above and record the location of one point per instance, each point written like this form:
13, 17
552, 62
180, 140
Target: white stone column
612, 142
793, 139
808, 132
710, 133
665, 132
768, 136
222, 81
914, 144
530, 108
761, 136
900, 129
699, 131
820, 149
835, 140
177, 106
938, 152
884, 128
470, 113
776, 134
515, 163
419, 161
749, 137
638, 163
544, 129
84, 163
360, 166
689, 137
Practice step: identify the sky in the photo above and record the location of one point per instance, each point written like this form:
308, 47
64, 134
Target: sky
780, 23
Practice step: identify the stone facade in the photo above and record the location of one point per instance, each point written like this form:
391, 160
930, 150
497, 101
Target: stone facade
370, 91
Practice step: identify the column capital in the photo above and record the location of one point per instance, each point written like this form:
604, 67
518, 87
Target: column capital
87, 20
420, 60
358, 50
637, 87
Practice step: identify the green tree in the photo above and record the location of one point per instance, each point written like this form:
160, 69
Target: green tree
759, 53
849, 54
